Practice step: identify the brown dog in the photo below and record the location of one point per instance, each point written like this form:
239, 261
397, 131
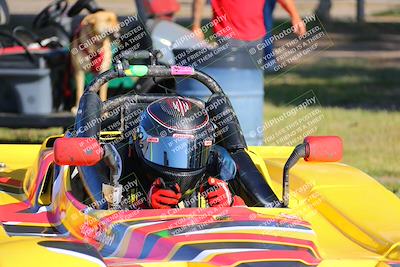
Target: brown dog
91, 49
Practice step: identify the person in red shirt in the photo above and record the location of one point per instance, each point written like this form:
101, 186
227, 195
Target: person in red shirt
242, 20
161, 9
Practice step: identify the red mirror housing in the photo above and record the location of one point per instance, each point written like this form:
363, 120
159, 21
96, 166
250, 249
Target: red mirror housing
78, 151
323, 148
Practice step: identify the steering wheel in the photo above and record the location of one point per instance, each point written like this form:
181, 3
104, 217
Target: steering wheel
50, 13
15, 39
28, 34
90, 5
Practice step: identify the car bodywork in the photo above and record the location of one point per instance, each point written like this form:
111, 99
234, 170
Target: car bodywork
338, 216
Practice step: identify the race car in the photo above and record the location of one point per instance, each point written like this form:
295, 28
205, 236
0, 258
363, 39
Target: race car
303, 207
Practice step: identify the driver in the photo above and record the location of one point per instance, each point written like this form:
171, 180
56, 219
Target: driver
175, 145
171, 161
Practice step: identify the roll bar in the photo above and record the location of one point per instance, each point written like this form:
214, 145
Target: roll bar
124, 70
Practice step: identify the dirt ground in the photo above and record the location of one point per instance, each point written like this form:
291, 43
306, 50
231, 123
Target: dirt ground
341, 9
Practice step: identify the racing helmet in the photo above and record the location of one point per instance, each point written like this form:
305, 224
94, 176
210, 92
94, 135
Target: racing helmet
174, 139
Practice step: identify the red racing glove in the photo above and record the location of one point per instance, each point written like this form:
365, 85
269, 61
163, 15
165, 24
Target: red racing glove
219, 194
163, 198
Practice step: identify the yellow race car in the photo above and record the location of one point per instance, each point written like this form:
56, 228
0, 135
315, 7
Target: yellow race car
304, 208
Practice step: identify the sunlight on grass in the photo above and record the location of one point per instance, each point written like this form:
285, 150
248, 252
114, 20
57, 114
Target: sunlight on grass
354, 96
339, 82
392, 12
371, 138
27, 135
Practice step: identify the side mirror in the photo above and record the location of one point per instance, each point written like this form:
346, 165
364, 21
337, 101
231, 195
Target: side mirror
78, 151
314, 148
323, 148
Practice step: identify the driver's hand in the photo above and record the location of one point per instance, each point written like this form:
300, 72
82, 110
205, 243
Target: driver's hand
163, 198
217, 193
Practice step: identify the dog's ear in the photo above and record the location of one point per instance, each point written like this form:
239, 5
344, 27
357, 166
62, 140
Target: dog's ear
89, 20
112, 19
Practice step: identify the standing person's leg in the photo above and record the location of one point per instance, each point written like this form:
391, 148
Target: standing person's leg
269, 24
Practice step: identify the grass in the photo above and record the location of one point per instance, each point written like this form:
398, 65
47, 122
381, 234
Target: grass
395, 12
26, 135
359, 101
348, 83
371, 138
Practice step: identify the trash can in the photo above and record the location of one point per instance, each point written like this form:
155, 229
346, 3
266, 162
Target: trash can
239, 77
25, 89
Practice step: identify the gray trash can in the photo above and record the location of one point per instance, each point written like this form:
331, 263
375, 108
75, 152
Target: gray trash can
27, 87
238, 76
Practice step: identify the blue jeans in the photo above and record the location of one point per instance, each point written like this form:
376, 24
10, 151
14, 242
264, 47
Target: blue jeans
269, 23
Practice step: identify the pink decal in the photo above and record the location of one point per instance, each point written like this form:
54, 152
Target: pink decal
153, 140
207, 142
75, 202
182, 70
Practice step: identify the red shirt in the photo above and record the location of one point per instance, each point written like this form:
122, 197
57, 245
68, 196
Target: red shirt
242, 19
161, 7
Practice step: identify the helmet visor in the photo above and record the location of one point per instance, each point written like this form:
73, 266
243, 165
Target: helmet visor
180, 151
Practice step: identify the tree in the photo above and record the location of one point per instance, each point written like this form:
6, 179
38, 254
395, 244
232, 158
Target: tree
323, 10
360, 11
